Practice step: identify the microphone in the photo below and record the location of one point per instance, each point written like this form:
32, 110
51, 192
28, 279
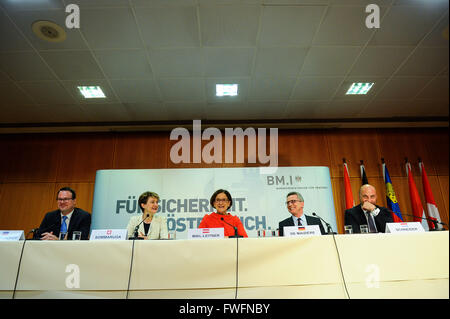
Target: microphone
435, 222
235, 229
136, 234
329, 229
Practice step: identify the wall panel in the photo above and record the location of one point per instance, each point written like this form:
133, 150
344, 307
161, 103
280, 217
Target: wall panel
395, 145
307, 149
34, 167
23, 205
436, 143
443, 210
143, 150
82, 155
354, 145
32, 158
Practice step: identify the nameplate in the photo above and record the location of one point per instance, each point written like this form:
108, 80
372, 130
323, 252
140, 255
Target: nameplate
205, 233
11, 235
108, 234
404, 228
303, 231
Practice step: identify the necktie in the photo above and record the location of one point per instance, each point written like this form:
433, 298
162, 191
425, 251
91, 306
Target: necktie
299, 222
64, 225
372, 228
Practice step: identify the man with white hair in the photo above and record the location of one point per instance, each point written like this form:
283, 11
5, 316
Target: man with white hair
368, 213
295, 204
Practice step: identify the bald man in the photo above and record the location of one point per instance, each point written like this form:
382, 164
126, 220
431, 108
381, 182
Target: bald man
368, 213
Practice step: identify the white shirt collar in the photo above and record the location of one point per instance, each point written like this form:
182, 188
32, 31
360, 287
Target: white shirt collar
302, 218
69, 216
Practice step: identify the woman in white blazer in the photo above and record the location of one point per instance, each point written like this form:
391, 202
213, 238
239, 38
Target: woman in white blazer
154, 226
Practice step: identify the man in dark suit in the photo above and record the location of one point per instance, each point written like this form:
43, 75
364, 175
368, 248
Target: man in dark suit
66, 219
295, 204
368, 213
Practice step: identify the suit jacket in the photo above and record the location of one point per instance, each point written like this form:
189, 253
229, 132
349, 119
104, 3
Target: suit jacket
355, 217
158, 227
80, 221
309, 220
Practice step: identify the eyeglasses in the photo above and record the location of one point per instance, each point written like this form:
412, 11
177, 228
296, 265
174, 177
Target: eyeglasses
292, 201
221, 200
63, 199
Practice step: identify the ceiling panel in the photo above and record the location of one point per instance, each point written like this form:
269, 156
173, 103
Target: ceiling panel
279, 61
178, 62
159, 60
175, 26
289, 25
136, 91
402, 88
73, 65
316, 88
437, 89
271, 89
110, 28
329, 61
425, 61
124, 64
25, 66
229, 61
12, 39
48, 92
25, 19
344, 25
380, 61
229, 25
182, 89
406, 25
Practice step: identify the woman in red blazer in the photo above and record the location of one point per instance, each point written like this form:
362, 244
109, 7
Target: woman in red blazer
221, 200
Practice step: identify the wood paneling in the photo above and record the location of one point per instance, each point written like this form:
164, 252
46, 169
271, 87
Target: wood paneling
307, 149
354, 145
32, 158
141, 150
437, 146
4, 147
444, 208
23, 205
82, 155
395, 145
34, 167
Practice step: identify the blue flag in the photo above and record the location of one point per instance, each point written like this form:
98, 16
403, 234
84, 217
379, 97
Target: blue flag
391, 200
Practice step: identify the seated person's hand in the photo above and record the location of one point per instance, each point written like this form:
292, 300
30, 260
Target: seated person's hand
48, 236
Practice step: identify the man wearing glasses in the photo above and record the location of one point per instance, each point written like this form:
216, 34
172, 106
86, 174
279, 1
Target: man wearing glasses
295, 204
65, 220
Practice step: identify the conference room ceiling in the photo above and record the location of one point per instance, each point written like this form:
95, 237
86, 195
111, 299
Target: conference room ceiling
158, 63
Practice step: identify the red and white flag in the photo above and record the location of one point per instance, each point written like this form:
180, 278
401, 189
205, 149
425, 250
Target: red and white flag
349, 202
433, 212
416, 203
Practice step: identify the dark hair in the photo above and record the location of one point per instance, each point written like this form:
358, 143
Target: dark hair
144, 198
68, 189
217, 192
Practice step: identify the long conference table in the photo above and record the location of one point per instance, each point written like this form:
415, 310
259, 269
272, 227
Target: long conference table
340, 266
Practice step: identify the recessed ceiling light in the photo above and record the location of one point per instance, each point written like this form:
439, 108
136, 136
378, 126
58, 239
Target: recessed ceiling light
48, 31
226, 89
91, 92
359, 88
